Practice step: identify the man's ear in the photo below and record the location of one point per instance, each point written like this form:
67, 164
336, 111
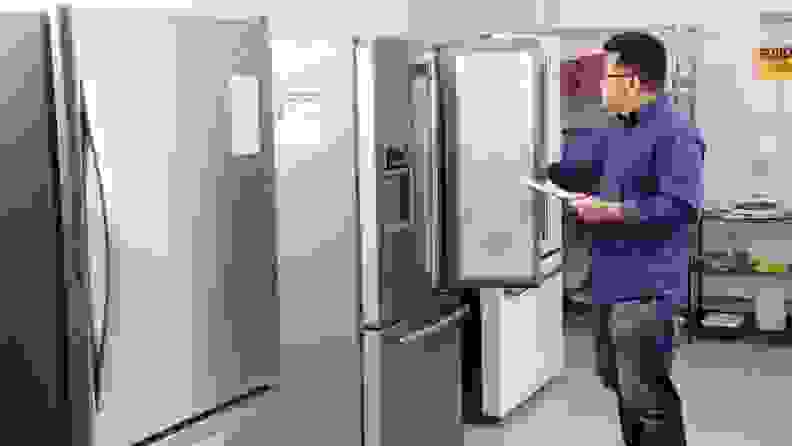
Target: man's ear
635, 83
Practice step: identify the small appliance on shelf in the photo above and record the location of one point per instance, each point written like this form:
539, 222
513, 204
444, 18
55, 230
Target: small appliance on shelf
731, 260
723, 320
758, 206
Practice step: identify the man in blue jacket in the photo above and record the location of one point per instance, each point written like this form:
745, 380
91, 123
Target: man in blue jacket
650, 171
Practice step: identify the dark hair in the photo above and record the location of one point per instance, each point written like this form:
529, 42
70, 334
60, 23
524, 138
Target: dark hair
644, 54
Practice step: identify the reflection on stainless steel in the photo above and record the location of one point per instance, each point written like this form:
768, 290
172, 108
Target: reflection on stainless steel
434, 328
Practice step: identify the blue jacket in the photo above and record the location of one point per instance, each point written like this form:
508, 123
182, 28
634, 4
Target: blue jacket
654, 167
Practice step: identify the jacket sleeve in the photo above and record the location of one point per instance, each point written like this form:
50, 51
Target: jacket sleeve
580, 167
671, 196
678, 193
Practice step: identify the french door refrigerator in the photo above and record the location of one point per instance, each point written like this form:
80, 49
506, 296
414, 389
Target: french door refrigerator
501, 95
410, 334
484, 115
177, 316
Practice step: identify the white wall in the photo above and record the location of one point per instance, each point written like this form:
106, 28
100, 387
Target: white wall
311, 19
32, 5
443, 20
424, 19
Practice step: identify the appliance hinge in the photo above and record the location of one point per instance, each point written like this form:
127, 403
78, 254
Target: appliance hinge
422, 70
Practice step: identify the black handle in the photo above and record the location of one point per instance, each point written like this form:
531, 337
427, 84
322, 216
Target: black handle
545, 225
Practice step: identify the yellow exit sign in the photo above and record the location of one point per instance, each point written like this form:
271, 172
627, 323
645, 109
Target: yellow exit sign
772, 64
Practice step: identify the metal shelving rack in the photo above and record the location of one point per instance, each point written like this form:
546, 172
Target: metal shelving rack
749, 326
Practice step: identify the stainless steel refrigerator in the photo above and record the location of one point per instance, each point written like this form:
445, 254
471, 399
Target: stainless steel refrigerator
455, 184
173, 316
32, 330
410, 334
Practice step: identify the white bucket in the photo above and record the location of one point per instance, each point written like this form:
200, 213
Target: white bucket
770, 312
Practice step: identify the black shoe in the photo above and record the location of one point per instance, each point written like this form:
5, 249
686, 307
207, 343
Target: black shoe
662, 429
630, 425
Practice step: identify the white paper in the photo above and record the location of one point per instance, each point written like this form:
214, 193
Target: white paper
555, 191
770, 309
548, 188
245, 118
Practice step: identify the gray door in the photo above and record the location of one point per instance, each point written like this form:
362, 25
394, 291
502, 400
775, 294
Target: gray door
32, 330
393, 178
492, 93
191, 224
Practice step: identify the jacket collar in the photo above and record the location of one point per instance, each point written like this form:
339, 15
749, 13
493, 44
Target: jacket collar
647, 111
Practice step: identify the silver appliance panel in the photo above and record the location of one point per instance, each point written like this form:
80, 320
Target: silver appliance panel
34, 326
404, 364
393, 175
492, 95
180, 235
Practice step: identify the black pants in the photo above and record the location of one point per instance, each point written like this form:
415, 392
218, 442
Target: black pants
629, 362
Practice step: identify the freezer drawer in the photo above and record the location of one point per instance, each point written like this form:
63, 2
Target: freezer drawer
522, 343
412, 383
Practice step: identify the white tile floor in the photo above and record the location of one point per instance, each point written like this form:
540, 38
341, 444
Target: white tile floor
735, 394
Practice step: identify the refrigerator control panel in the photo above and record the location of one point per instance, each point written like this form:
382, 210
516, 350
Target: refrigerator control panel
395, 157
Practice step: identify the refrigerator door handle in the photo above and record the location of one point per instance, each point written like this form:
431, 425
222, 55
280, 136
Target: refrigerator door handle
436, 327
91, 156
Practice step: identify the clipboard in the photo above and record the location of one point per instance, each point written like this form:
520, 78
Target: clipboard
561, 194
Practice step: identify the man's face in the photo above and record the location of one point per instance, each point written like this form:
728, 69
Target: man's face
621, 89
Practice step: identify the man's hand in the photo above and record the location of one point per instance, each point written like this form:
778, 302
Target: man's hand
591, 211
